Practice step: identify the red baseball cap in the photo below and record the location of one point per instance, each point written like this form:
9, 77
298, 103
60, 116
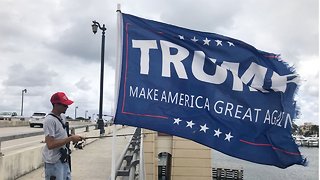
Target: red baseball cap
60, 98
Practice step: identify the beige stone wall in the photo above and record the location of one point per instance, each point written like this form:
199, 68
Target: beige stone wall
150, 157
190, 160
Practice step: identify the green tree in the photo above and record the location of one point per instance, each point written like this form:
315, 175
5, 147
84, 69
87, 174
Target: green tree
314, 129
294, 129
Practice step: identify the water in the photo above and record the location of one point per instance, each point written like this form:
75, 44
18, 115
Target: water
253, 171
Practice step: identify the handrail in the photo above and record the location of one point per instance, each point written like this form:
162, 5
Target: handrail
129, 160
120, 160
224, 173
19, 136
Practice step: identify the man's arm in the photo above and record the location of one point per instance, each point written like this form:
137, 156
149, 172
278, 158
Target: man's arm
54, 143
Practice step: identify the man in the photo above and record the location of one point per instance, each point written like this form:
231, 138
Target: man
55, 153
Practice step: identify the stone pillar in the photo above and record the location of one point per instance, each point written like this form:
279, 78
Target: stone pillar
150, 157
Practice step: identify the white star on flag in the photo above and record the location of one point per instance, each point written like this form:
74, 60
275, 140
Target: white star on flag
194, 39
230, 44
181, 37
217, 132
190, 124
219, 43
204, 128
206, 41
177, 121
228, 136
213, 60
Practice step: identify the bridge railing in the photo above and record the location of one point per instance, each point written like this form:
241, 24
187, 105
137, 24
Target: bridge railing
37, 133
129, 165
223, 173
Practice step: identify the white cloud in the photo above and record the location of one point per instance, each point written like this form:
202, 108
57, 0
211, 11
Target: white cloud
39, 75
83, 84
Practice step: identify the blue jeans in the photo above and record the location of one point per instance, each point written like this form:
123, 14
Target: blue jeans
60, 170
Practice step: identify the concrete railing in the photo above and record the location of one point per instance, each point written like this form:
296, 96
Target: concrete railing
23, 161
16, 122
37, 133
13, 123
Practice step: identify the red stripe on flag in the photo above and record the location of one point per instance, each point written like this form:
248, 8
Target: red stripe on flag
274, 148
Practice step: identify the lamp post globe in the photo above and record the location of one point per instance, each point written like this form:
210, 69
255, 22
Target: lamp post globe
94, 27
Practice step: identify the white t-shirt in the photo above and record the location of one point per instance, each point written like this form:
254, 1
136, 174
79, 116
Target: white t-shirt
52, 127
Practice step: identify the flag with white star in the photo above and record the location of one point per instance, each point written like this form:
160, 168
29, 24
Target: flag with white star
209, 88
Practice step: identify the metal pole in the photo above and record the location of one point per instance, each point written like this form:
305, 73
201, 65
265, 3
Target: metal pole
100, 120
22, 103
22, 93
113, 161
75, 112
1, 154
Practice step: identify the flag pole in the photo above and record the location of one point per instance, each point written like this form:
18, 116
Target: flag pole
116, 88
113, 162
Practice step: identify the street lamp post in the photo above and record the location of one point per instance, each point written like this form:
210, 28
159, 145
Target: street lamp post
75, 112
85, 114
92, 118
95, 26
22, 93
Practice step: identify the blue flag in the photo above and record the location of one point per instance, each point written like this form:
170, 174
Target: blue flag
209, 88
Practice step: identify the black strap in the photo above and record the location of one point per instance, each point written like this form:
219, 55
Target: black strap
60, 120
67, 157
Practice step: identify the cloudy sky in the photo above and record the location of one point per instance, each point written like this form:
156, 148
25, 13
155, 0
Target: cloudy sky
48, 45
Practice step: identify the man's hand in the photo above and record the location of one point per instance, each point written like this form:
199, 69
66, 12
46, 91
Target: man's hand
76, 138
55, 143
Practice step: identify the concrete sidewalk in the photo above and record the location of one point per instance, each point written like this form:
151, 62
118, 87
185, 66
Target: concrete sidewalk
94, 161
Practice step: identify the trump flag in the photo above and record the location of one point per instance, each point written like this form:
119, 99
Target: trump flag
209, 88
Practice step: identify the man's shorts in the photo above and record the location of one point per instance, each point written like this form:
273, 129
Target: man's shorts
58, 170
